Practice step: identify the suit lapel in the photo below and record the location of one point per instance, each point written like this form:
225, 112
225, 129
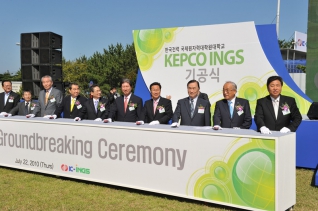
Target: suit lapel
270, 106
91, 104
187, 105
226, 107
280, 112
48, 101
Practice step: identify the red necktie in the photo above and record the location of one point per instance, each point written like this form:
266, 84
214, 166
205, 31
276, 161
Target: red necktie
154, 107
125, 103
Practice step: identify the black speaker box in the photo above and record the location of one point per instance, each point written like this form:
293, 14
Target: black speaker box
36, 72
40, 56
34, 87
313, 111
41, 40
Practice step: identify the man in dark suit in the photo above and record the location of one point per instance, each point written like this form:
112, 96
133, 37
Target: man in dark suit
193, 110
24, 108
71, 105
95, 108
158, 110
49, 99
8, 98
276, 112
232, 112
126, 108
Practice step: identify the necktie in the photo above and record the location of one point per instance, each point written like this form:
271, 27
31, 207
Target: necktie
231, 108
275, 104
6, 96
125, 103
95, 104
46, 96
72, 103
155, 103
26, 108
192, 108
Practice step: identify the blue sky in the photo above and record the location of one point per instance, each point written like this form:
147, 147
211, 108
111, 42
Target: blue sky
90, 26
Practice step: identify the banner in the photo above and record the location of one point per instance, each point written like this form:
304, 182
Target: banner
300, 41
213, 54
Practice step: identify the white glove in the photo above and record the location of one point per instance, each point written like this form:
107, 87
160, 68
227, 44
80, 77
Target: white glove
109, 120
98, 119
265, 130
156, 122
237, 128
140, 122
77, 119
30, 116
47, 116
284, 130
3, 113
8, 115
175, 124
217, 127
54, 116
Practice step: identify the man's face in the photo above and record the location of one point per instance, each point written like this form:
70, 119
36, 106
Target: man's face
126, 89
74, 91
97, 93
193, 90
7, 86
155, 92
274, 88
27, 96
47, 83
229, 91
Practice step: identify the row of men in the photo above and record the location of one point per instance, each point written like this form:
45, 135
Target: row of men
274, 112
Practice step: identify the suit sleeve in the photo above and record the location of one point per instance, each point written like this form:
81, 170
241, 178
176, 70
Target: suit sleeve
217, 114
259, 115
168, 111
207, 115
139, 109
16, 100
37, 108
59, 98
107, 110
15, 110
296, 117
113, 110
177, 113
143, 116
60, 109
247, 122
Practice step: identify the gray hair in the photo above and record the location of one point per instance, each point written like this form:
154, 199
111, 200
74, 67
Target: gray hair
47, 76
233, 84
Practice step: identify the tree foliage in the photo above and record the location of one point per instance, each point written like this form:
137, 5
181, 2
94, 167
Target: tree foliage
286, 44
10, 76
105, 69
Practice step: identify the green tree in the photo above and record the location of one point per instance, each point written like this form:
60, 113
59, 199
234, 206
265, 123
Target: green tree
286, 44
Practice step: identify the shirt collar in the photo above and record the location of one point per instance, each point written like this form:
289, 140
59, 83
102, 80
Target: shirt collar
233, 100
273, 99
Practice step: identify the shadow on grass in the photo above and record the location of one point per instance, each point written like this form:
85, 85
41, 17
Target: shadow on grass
131, 190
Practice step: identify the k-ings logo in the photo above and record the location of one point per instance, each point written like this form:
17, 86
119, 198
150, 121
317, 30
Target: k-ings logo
75, 169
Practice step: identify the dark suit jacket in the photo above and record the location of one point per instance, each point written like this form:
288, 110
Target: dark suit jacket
88, 111
265, 114
117, 109
49, 108
199, 119
9, 105
203, 96
20, 109
222, 116
65, 107
148, 115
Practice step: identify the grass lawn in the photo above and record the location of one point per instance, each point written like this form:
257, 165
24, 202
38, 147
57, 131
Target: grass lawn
21, 190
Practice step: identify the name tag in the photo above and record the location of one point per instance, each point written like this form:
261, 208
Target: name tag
162, 110
102, 109
285, 112
240, 112
201, 110
32, 108
10, 101
79, 106
131, 108
52, 100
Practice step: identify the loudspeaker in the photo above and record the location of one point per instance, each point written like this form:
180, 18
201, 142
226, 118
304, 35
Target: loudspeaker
41, 40
34, 87
313, 111
40, 56
36, 72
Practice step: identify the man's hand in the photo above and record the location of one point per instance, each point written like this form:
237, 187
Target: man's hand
156, 122
30, 116
109, 120
265, 130
174, 125
140, 122
284, 130
217, 127
77, 119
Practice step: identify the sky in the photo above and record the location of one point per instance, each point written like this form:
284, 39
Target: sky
90, 26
